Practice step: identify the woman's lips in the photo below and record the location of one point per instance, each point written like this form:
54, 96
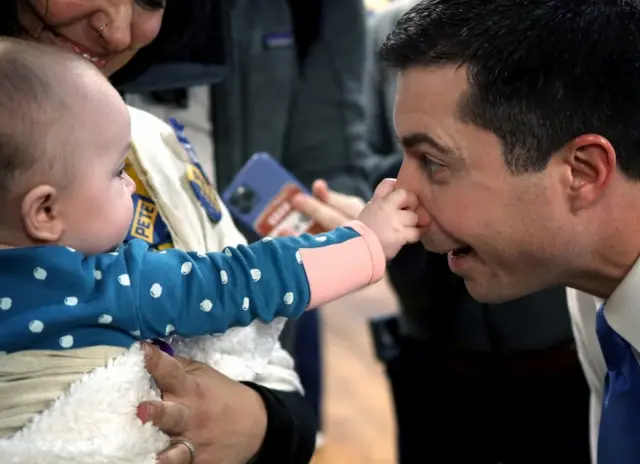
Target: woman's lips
61, 41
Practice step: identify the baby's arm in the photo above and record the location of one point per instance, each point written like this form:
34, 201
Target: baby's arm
194, 294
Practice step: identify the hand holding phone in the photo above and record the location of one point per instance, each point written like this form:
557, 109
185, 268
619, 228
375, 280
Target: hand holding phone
260, 197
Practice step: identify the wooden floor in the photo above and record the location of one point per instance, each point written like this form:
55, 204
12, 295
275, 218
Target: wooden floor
358, 412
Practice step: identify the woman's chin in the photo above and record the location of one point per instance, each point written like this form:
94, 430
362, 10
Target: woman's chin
116, 62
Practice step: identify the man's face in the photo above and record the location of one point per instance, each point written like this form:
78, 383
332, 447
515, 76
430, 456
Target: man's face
516, 226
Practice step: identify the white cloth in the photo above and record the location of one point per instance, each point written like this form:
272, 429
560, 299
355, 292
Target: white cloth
622, 311
95, 420
582, 308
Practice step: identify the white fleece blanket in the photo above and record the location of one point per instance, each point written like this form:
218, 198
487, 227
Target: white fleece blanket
95, 421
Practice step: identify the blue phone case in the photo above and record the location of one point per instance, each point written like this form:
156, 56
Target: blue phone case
259, 197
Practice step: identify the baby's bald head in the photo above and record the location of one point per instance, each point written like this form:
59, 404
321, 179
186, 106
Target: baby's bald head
65, 133
36, 93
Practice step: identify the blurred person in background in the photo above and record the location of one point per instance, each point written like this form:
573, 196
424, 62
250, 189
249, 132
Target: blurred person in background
501, 381
211, 417
295, 91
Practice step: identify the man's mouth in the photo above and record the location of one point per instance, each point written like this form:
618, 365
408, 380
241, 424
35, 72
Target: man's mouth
460, 251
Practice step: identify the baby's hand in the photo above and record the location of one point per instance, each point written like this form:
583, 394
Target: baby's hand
391, 215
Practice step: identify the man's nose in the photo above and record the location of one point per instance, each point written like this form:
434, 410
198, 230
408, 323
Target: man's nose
411, 179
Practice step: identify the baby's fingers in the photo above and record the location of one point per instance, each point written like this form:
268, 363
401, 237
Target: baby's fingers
408, 218
383, 189
412, 234
402, 199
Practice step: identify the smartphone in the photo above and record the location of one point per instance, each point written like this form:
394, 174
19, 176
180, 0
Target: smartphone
260, 198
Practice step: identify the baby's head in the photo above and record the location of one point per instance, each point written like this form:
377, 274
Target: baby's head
64, 137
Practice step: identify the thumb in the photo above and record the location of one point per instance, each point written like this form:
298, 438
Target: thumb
168, 372
320, 190
384, 188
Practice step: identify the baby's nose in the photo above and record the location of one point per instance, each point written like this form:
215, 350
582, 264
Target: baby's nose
130, 184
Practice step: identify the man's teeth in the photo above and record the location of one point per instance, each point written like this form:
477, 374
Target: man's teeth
461, 251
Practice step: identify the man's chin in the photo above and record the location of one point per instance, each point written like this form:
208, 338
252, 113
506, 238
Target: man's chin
485, 292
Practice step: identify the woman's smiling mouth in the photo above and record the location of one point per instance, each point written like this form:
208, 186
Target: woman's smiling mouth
49, 36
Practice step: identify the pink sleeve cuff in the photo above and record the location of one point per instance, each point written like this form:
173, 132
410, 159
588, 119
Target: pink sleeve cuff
336, 270
378, 259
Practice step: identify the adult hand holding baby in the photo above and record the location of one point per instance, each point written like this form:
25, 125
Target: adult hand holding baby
224, 421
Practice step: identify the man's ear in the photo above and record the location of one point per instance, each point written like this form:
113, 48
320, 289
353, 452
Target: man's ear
591, 160
41, 214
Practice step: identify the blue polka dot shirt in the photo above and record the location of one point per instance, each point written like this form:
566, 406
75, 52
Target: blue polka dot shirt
53, 297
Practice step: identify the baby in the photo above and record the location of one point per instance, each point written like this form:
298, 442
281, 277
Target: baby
66, 280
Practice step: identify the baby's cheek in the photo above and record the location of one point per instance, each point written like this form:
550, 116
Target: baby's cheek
129, 184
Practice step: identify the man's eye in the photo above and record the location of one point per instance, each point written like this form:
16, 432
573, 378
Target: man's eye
431, 166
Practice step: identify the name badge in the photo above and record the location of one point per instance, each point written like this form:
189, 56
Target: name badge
148, 225
198, 181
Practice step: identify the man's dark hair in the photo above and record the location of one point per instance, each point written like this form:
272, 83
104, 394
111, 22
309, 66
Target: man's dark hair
541, 72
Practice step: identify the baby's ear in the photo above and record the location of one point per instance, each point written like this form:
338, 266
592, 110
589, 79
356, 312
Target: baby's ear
41, 216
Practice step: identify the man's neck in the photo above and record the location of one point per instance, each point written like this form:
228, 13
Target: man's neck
616, 249
605, 273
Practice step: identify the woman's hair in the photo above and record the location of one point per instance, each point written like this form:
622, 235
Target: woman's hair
9, 18
192, 30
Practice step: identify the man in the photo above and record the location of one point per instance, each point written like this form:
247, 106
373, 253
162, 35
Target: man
503, 369
519, 125
509, 384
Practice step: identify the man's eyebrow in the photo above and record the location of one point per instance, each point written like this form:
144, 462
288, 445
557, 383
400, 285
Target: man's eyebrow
411, 140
